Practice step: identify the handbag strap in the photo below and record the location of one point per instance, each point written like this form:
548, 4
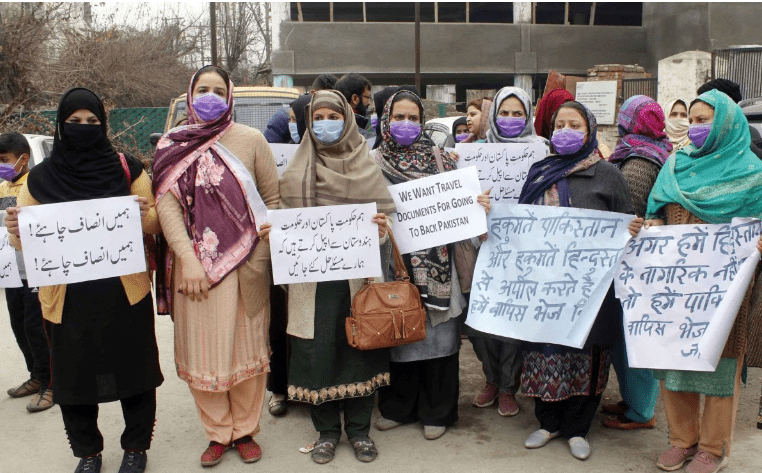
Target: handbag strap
400, 270
438, 157
126, 168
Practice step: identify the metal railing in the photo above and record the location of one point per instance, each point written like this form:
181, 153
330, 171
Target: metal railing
741, 65
648, 87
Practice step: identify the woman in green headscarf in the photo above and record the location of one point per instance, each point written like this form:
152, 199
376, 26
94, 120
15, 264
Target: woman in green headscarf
713, 180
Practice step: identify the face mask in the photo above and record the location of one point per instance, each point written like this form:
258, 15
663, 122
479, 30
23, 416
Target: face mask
361, 109
460, 137
294, 130
567, 141
699, 133
209, 106
82, 136
405, 132
676, 128
328, 131
8, 171
511, 127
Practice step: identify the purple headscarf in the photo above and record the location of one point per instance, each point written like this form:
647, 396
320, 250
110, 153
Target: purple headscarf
190, 164
641, 126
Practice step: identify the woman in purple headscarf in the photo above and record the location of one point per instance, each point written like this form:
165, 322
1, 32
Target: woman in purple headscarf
210, 178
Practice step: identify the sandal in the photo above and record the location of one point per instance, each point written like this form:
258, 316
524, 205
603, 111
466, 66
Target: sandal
277, 407
365, 449
325, 449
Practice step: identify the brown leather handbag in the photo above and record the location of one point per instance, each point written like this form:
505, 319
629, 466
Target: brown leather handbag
387, 314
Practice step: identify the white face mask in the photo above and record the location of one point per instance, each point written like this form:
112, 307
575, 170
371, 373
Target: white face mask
328, 131
676, 128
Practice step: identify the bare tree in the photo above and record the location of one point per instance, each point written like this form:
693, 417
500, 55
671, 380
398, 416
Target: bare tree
246, 40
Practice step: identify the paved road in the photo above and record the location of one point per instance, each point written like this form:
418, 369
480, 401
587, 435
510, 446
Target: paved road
480, 441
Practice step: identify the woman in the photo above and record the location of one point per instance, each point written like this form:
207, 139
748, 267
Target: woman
424, 375
547, 107
379, 100
510, 121
567, 383
102, 336
477, 114
278, 130
460, 129
640, 154
208, 175
676, 127
713, 180
331, 167
296, 112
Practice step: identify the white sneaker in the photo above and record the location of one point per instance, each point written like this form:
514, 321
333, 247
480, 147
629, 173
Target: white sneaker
539, 438
580, 449
386, 424
433, 432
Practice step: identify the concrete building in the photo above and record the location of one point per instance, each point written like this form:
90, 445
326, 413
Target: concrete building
478, 45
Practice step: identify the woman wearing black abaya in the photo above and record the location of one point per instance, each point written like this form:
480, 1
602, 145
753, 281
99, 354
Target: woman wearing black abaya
103, 342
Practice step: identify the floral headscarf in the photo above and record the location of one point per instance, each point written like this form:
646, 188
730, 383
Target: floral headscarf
641, 127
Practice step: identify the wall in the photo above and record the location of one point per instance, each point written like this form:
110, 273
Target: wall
734, 23
682, 74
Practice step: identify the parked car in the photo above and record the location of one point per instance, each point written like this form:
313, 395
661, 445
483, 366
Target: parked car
252, 106
752, 108
40, 147
440, 131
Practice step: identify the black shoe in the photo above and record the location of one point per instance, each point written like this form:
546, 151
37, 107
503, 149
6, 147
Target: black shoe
365, 449
133, 462
90, 464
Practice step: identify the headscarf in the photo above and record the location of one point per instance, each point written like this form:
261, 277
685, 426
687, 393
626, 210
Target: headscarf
458, 121
431, 268
527, 135
218, 219
71, 173
641, 128
298, 106
547, 178
720, 180
483, 123
333, 174
678, 135
546, 108
277, 128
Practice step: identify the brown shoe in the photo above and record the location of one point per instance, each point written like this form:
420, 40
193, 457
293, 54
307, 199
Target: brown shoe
213, 454
617, 408
27, 388
41, 401
623, 423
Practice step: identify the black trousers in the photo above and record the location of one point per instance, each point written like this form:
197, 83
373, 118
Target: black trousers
425, 390
326, 417
27, 325
277, 379
81, 423
572, 417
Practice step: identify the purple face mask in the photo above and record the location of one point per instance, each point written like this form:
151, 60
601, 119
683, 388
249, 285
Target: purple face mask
699, 133
405, 132
460, 137
209, 106
511, 127
567, 141
8, 171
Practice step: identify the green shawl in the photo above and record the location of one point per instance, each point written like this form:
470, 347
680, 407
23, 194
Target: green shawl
720, 180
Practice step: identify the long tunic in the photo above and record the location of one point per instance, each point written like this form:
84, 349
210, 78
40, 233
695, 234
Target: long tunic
222, 341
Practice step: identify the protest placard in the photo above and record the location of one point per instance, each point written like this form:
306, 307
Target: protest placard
436, 210
9, 269
282, 153
681, 287
502, 167
543, 272
81, 241
324, 244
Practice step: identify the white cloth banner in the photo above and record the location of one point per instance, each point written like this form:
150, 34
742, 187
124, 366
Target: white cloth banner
503, 167
328, 243
282, 153
82, 241
9, 268
543, 272
681, 287
437, 210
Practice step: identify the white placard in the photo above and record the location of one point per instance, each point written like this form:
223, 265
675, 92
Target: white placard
543, 272
329, 243
82, 241
437, 210
9, 268
503, 167
600, 98
282, 153
681, 287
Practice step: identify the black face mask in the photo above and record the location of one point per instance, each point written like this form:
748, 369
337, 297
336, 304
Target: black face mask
82, 136
362, 109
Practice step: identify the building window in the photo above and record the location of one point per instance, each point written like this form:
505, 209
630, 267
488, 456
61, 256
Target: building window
549, 13
347, 11
489, 12
452, 12
619, 13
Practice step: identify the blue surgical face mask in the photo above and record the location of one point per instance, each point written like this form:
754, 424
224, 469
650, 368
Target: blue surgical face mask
294, 130
328, 131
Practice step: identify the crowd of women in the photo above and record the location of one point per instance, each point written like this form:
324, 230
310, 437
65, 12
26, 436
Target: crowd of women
687, 164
